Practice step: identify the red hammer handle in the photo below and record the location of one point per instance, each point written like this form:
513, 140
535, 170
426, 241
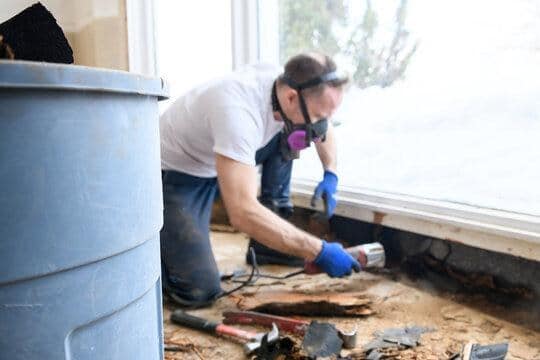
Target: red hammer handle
222, 329
289, 325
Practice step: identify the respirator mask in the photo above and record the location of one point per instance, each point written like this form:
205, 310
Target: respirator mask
296, 137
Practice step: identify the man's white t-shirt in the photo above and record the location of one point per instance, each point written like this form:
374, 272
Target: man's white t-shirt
231, 116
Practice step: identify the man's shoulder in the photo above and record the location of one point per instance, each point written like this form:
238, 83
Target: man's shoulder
245, 90
247, 87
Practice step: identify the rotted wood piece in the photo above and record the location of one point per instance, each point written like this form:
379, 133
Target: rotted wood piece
295, 303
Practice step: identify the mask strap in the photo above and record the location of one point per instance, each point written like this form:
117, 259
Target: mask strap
276, 106
324, 78
303, 106
307, 119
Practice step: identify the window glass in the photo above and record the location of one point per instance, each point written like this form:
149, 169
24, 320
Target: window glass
193, 43
446, 97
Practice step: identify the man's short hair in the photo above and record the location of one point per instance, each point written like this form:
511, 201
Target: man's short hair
305, 67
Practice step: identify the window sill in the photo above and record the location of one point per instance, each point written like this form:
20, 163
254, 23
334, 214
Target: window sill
495, 230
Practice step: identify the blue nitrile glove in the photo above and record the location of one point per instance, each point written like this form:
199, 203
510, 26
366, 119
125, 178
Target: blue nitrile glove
326, 189
335, 261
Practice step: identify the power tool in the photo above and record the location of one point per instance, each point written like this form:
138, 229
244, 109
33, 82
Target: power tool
370, 255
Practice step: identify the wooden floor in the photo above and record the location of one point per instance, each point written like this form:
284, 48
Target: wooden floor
398, 302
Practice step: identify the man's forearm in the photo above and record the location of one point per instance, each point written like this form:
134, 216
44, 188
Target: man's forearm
238, 187
274, 232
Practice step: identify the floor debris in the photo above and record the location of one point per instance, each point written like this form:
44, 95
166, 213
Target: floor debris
307, 304
394, 338
321, 340
283, 349
182, 347
398, 301
473, 351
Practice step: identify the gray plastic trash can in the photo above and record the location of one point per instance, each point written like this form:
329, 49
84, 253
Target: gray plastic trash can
80, 213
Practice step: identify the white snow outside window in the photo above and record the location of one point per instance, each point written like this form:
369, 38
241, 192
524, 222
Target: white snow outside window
462, 123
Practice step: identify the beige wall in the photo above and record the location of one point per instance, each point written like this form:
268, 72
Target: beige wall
102, 41
95, 29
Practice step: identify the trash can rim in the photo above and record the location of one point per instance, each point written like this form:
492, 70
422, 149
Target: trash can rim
42, 75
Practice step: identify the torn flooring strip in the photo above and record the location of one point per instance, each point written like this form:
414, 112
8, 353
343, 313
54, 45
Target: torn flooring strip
297, 303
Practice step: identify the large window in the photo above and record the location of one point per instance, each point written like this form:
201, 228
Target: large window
193, 43
446, 97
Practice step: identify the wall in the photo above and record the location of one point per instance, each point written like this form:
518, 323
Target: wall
95, 29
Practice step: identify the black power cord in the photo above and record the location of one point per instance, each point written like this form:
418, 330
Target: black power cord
249, 281
254, 276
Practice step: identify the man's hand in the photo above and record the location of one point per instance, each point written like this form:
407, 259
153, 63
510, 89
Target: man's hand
335, 261
326, 189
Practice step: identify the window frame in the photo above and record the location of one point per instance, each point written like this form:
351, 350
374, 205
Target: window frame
501, 231
142, 54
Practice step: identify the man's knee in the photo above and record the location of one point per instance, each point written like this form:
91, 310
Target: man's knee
196, 286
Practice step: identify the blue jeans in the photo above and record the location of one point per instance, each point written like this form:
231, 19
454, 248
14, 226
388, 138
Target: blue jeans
188, 266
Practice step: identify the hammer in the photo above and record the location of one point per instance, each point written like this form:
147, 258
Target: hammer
254, 340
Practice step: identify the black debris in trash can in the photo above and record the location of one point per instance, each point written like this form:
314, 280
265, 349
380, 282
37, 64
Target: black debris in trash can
33, 34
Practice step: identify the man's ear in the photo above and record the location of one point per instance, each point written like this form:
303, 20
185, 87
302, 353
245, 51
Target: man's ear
291, 96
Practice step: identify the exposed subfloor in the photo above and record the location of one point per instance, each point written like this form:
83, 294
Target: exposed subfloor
398, 302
